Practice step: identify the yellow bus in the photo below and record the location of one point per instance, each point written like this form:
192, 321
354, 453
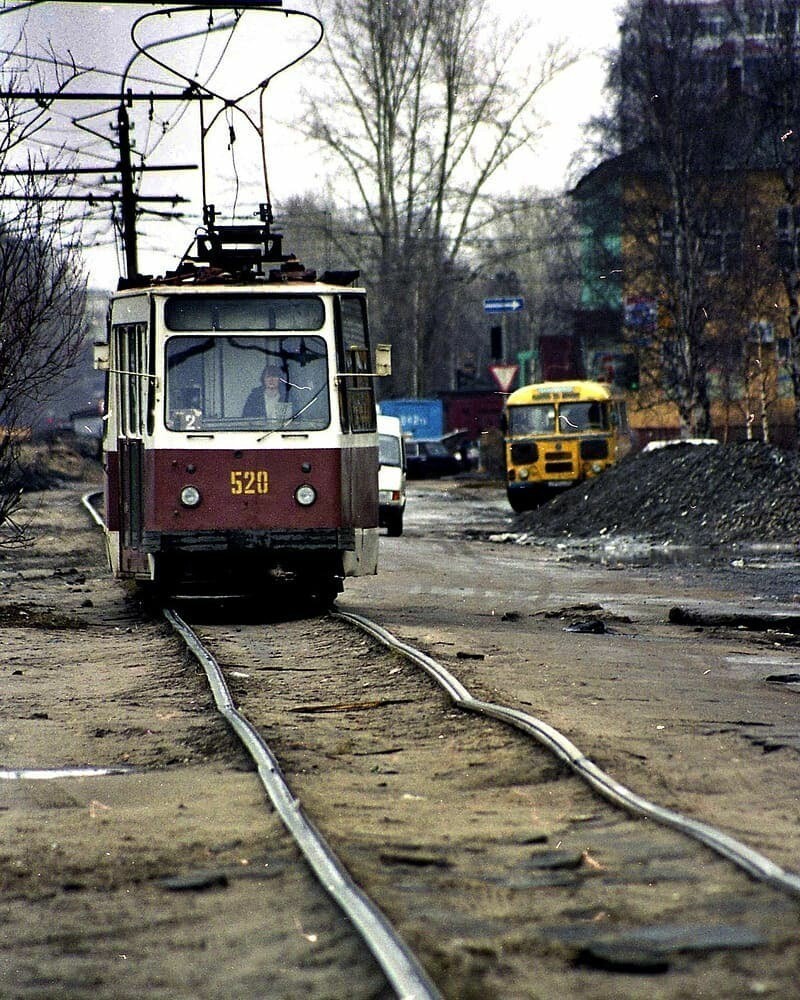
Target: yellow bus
559, 433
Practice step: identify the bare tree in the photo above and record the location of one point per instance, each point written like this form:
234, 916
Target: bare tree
773, 88
535, 240
680, 129
428, 114
42, 288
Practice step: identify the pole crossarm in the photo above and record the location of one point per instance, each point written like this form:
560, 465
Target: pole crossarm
213, 4
91, 199
108, 169
101, 95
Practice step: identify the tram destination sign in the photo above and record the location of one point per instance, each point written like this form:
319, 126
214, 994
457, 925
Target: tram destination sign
509, 304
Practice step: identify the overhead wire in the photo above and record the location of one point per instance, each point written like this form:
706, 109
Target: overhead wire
159, 127
235, 103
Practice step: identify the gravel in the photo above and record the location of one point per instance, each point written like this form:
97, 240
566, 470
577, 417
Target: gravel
687, 494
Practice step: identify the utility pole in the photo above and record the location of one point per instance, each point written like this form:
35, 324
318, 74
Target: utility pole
127, 192
128, 198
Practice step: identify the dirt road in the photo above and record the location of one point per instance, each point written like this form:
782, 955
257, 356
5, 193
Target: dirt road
686, 715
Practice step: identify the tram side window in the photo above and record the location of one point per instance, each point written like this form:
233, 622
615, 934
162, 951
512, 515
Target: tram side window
356, 392
133, 382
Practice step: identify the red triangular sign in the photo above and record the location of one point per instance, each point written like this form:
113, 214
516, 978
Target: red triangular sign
504, 375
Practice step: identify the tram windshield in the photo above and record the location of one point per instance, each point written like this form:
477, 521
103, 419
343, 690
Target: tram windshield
235, 383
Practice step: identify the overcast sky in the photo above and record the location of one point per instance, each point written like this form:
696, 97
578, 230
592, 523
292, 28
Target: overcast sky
92, 33
591, 28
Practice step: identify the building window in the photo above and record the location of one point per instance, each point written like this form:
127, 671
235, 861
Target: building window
754, 24
787, 226
721, 241
712, 25
787, 20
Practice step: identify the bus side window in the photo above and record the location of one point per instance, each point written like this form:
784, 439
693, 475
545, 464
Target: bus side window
595, 415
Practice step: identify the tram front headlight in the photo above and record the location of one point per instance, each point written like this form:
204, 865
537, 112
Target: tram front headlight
596, 468
305, 495
523, 473
190, 496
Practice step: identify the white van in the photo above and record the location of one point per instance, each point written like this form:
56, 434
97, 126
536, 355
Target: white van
391, 475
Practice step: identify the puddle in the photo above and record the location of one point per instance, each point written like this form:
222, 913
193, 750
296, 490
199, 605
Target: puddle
47, 774
760, 667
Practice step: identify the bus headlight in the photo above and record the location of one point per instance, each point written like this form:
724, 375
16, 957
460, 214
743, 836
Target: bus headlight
305, 495
190, 496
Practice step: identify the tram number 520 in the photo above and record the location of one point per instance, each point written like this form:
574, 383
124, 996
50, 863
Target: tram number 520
249, 482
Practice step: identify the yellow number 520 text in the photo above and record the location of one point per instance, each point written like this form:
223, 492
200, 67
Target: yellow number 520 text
249, 482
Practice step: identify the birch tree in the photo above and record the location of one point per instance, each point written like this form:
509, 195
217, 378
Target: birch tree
773, 87
422, 111
681, 130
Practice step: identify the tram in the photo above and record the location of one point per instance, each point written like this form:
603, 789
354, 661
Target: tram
558, 434
240, 446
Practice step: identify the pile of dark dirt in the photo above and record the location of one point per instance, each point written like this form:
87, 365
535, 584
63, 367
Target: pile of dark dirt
688, 494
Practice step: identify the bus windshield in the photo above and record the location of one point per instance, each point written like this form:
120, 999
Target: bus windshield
539, 418
573, 418
582, 417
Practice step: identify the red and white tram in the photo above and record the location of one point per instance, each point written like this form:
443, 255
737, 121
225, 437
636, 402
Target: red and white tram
240, 446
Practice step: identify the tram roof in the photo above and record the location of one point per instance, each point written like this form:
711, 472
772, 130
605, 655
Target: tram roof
257, 287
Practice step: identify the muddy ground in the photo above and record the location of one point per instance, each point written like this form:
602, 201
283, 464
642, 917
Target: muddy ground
91, 678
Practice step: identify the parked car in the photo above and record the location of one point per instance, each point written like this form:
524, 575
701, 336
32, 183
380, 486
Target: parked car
391, 475
430, 460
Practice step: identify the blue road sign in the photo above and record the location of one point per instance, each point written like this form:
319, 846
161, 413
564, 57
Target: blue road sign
504, 305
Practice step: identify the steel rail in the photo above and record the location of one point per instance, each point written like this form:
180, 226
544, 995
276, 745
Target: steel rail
94, 513
751, 861
398, 962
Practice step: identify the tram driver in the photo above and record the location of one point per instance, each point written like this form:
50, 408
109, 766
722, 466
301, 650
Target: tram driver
269, 399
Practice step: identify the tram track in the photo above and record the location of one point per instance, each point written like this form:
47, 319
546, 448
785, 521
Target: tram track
434, 860
399, 963
486, 852
749, 860
403, 972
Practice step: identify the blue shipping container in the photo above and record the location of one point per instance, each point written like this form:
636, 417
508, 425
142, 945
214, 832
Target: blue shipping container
422, 419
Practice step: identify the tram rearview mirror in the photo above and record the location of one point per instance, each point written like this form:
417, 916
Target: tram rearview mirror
383, 359
101, 357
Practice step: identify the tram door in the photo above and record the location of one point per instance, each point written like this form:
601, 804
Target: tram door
130, 496
357, 404
134, 383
